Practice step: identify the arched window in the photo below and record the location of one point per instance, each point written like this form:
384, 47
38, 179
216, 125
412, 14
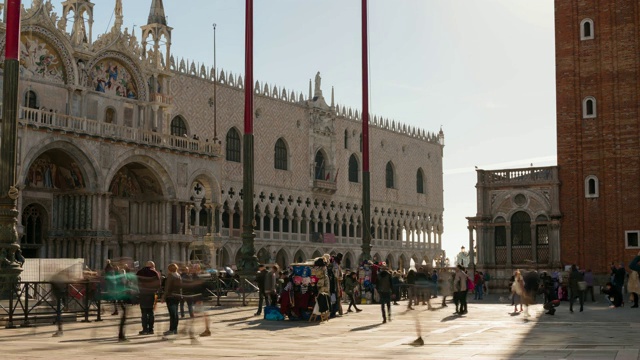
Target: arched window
589, 109
178, 126
33, 221
586, 29
520, 229
420, 181
280, 158
233, 145
110, 116
591, 188
389, 176
346, 139
353, 169
31, 100
320, 166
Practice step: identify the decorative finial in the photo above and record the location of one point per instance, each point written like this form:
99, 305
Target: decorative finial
310, 96
332, 103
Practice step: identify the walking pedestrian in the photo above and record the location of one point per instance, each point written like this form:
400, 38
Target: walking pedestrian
460, 290
149, 285
260, 280
384, 287
576, 287
588, 279
350, 286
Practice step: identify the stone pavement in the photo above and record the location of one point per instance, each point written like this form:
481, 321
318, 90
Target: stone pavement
488, 331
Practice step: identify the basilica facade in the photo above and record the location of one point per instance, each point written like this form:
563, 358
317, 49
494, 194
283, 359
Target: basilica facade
124, 151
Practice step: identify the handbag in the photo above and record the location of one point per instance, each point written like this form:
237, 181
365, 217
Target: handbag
582, 285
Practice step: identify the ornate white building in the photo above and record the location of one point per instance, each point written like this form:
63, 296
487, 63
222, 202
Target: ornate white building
118, 155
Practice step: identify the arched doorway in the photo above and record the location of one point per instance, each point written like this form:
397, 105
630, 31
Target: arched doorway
281, 259
299, 257
263, 256
222, 257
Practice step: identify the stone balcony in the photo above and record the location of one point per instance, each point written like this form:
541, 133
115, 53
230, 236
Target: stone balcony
163, 99
324, 187
523, 176
40, 119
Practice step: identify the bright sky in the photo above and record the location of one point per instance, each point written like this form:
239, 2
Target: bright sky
483, 69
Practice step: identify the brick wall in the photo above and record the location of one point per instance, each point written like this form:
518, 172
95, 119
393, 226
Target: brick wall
606, 67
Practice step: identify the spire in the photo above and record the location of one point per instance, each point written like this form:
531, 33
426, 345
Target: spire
332, 103
156, 13
310, 89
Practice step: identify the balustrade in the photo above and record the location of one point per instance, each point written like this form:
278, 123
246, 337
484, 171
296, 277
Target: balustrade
66, 123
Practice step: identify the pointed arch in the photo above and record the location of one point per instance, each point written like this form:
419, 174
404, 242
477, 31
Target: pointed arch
420, 181
354, 169
233, 147
281, 155
390, 176
179, 126
320, 164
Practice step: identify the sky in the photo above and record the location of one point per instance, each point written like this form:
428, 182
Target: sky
482, 69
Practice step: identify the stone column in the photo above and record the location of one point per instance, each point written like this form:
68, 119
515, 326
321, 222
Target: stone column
508, 231
534, 243
98, 254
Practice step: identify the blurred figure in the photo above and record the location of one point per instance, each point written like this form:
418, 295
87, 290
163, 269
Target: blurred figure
109, 270
517, 290
123, 287
588, 279
59, 286
172, 295
350, 285
384, 287
460, 290
187, 291
148, 284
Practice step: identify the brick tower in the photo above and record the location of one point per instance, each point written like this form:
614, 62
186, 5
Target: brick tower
597, 86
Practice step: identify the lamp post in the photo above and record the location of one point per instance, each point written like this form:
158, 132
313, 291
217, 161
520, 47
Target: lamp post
366, 176
215, 85
9, 269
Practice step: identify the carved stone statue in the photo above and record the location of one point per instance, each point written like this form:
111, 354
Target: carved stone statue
318, 87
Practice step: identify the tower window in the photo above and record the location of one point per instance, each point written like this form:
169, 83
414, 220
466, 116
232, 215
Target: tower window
591, 187
589, 108
586, 29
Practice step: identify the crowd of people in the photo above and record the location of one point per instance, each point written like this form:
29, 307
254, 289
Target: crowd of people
321, 287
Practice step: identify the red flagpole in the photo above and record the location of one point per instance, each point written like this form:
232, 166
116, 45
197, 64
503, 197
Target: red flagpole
248, 69
366, 177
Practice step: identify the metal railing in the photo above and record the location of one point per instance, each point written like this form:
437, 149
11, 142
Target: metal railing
30, 301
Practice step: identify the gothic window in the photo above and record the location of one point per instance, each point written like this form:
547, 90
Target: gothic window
32, 220
281, 156
586, 29
110, 116
591, 187
353, 169
420, 181
589, 109
233, 145
389, 176
346, 139
319, 166
520, 229
178, 126
31, 100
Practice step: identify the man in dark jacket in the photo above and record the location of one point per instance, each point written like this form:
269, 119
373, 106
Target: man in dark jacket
148, 285
260, 279
384, 287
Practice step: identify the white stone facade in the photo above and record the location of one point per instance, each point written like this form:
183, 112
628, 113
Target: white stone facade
103, 176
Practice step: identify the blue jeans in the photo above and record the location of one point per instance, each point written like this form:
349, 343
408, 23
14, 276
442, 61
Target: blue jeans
148, 319
172, 306
478, 292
